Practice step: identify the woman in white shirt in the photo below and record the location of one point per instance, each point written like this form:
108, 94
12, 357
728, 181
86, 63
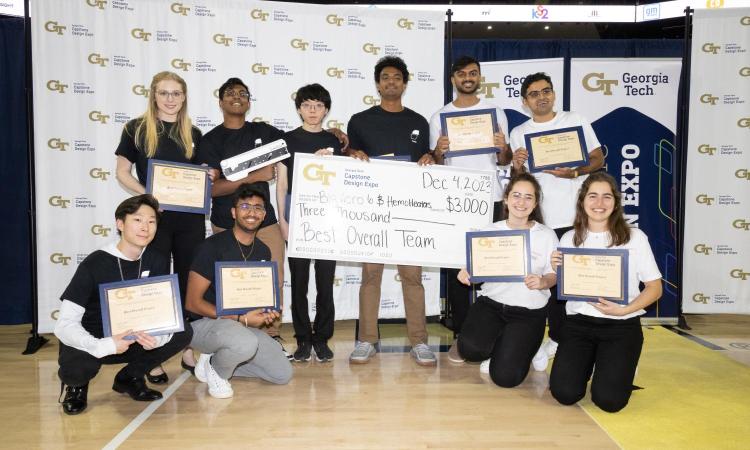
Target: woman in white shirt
602, 333
506, 323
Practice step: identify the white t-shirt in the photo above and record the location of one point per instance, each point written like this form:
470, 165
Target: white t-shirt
484, 161
558, 194
641, 267
543, 242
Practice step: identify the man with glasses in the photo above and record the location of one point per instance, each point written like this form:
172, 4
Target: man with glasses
232, 345
559, 185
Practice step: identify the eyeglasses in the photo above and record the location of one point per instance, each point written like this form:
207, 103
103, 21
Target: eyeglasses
536, 94
520, 196
253, 208
174, 94
312, 106
233, 93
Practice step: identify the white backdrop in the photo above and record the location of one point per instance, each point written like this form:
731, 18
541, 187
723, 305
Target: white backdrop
716, 258
93, 62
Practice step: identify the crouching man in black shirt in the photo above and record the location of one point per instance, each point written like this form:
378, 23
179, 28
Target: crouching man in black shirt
83, 349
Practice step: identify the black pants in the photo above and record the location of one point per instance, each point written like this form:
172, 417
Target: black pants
509, 335
556, 308
459, 296
177, 236
612, 346
325, 312
78, 367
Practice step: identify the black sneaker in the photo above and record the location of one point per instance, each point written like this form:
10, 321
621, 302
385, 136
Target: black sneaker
303, 351
323, 352
280, 340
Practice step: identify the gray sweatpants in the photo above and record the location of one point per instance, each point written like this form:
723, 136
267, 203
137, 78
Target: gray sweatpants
239, 351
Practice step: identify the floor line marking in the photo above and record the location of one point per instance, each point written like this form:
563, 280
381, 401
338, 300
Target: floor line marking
145, 414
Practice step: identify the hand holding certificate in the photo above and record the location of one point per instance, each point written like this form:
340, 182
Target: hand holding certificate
246, 286
151, 305
590, 274
564, 147
503, 255
470, 132
179, 187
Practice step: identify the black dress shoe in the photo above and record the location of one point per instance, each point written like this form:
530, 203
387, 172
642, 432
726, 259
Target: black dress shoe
75, 400
136, 388
187, 367
162, 378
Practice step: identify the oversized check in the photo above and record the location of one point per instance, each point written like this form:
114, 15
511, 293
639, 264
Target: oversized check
385, 211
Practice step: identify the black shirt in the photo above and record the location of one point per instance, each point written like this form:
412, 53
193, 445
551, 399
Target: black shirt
222, 143
379, 132
303, 141
101, 267
224, 247
167, 149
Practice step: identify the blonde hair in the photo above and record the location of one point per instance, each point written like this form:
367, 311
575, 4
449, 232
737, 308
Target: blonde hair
149, 126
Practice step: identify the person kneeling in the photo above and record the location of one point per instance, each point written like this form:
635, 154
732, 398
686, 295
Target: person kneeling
83, 349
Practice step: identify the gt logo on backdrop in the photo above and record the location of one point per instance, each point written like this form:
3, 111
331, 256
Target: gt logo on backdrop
333, 123
259, 14
180, 64
58, 144
741, 224
139, 89
97, 60
179, 8
744, 122
299, 43
259, 68
703, 249
59, 258
221, 39
486, 88
58, 202
54, 27
709, 99
97, 116
739, 274
100, 230
334, 72
598, 83
745, 72
704, 199
404, 23
700, 298
98, 173
710, 47
371, 48
705, 149
315, 172
370, 100
742, 174
96, 3
55, 85
333, 19
140, 33
745, 20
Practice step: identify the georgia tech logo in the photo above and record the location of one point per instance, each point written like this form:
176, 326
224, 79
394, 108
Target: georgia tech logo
700, 298
140, 33
216, 93
545, 139
180, 64
745, 72
744, 122
259, 68
98, 173
335, 72
169, 172
486, 242
179, 8
458, 121
710, 47
54, 27
705, 199
702, 248
742, 174
371, 48
237, 273
333, 19
97, 116
709, 99
745, 20
370, 100
581, 259
741, 224
739, 274
221, 39
100, 230
259, 119
55, 314
404, 23
315, 172
59, 258
259, 14
600, 84
139, 89
58, 144
58, 201
333, 123
96, 3
486, 88
96, 59
55, 85
337, 281
124, 293
299, 43
706, 149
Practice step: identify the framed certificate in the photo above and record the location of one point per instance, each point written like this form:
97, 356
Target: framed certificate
564, 147
587, 274
179, 187
470, 132
242, 286
498, 256
151, 305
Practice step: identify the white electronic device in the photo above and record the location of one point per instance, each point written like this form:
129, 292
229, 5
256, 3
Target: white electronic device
237, 167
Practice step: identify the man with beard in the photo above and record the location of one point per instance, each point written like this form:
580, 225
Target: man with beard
232, 345
465, 76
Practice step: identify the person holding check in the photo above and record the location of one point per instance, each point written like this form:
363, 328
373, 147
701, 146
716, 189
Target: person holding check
602, 333
80, 329
232, 344
505, 326
560, 167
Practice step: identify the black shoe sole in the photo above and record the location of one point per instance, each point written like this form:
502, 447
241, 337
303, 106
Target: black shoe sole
74, 413
158, 379
187, 367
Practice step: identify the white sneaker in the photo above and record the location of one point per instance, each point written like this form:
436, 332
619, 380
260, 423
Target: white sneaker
546, 352
485, 366
551, 348
217, 386
201, 365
